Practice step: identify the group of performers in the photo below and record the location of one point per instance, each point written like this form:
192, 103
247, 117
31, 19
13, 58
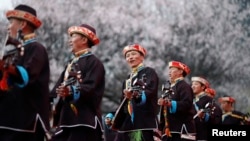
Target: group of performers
182, 112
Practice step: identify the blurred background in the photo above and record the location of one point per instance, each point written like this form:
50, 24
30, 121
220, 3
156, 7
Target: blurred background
210, 36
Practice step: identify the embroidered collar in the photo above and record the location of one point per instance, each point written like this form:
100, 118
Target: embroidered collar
198, 96
224, 115
77, 55
176, 81
133, 74
82, 52
29, 38
138, 68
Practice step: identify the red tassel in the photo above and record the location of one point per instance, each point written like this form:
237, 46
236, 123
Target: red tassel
167, 132
4, 82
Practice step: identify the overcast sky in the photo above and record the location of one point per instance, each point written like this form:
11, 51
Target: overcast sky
5, 4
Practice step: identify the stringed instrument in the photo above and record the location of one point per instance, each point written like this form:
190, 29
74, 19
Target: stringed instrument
74, 78
137, 87
166, 94
9, 57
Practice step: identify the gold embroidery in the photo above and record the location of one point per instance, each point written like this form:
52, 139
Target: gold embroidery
29, 36
177, 80
75, 59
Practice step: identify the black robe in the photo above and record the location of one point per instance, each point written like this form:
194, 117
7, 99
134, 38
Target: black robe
89, 103
183, 96
235, 118
145, 115
213, 116
23, 106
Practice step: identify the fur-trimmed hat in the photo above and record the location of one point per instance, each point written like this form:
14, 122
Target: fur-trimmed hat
210, 91
227, 98
86, 30
179, 65
25, 12
135, 47
201, 80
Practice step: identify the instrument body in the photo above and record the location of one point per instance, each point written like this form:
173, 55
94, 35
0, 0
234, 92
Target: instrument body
166, 95
137, 87
9, 58
73, 79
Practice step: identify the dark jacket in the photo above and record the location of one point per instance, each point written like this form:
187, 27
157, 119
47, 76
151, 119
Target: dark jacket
145, 114
88, 104
183, 97
212, 116
216, 114
233, 118
25, 104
